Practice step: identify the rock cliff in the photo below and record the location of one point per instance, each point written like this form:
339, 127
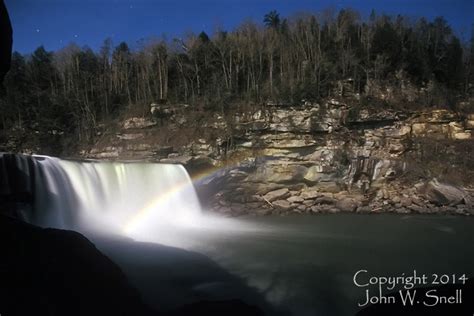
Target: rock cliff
310, 158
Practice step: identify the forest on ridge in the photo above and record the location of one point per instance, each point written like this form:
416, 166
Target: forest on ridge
283, 60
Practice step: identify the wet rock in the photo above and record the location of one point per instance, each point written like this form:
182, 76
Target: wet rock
295, 199
253, 205
283, 205
403, 210
310, 194
417, 208
316, 209
263, 211
347, 204
364, 209
238, 209
277, 195
448, 209
325, 200
224, 210
302, 208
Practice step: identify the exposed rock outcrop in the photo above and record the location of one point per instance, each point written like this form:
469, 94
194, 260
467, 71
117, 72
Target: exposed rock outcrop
444, 194
355, 157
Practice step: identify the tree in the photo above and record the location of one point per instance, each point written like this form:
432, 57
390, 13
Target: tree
16, 101
272, 19
305, 56
121, 72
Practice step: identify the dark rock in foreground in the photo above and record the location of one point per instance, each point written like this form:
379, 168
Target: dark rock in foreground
227, 308
57, 272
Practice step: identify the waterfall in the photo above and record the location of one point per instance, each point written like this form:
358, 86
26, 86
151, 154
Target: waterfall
122, 197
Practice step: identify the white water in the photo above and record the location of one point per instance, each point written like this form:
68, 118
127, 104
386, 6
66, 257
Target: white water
113, 196
144, 201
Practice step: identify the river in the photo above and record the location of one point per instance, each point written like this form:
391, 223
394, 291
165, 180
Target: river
300, 265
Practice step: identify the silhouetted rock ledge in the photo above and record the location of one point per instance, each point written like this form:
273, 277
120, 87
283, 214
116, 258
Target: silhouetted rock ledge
218, 308
60, 272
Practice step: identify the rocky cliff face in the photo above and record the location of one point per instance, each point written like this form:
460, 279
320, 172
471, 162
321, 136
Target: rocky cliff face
311, 158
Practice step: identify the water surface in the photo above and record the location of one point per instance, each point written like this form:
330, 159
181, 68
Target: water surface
305, 264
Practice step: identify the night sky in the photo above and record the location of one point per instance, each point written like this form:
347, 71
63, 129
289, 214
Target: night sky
56, 23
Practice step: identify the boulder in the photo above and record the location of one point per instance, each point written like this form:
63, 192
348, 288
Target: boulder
330, 186
283, 204
310, 194
364, 209
396, 199
325, 200
302, 208
295, 199
315, 209
417, 208
406, 201
347, 204
277, 195
443, 194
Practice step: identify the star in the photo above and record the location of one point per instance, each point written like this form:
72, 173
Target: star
75, 35
37, 30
